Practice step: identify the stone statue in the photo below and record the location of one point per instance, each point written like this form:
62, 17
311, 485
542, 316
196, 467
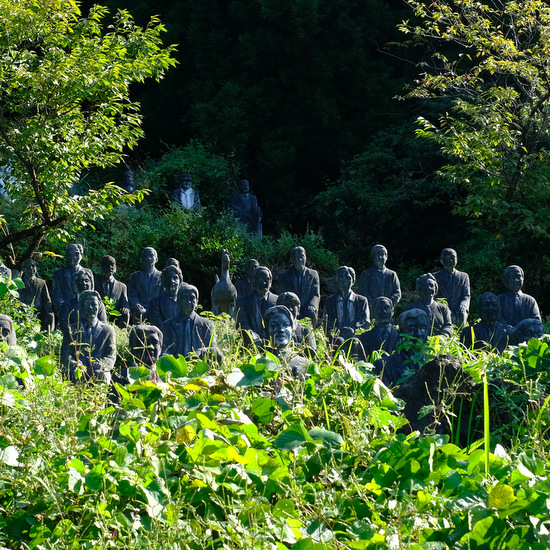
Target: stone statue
62, 287
245, 206
514, 304
164, 306
414, 323
188, 332
7, 331
251, 308
224, 293
185, 196
244, 286
36, 294
128, 182
304, 282
378, 280
488, 332
301, 334
279, 322
526, 330
109, 287
345, 311
144, 285
439, 313
454, 287
5, 271
383, 336
89, 345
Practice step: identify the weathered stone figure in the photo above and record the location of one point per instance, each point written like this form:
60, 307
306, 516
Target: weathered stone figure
224, 293
378, 280
454, 286
245, 206
301, 334
109, 287
304, 282
7, 331
89, 344
188, 332
36, 294
244, 286
62, 287
185, 196
488, 332
165, 306
128, 182
439, 314
384, 335
144, 285
514, 304
251, 309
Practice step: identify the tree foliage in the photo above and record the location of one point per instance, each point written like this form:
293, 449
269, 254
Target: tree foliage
65, 106
490, 73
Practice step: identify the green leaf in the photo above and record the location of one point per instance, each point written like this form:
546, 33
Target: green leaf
263, 408
44, 366
176, 366
293, 437
329, 439
501, 496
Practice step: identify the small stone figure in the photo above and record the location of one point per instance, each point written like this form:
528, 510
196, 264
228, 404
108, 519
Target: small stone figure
189, 332
7, 331
89, 344
128, 182
488, 332
301, 335
514, 304
62, 287
383, 336
245, 206
36, 294
378, 280
144, 285
5, 271
224, 293
304, 282
526, 330
439, 313
413, 322
185, 196
109, 287
251, 309
454, 286
244, 286
345, 311
164, 306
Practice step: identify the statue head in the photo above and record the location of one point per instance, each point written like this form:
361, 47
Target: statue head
145, 343
185, 180
382, 310
261, 280
171, 279
279, 323
251, 265
188, 299
448, 258
415, 322
7, 332
291, 301
244, 186
81, 281
345, 278
73, 254
427, 287
148, 258
527, 329
298, 257
29, 268
513, 278
488, 307
89, 301
107, 266
379, 255
128, 182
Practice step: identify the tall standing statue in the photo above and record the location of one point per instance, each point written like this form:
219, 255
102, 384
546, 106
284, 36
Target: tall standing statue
164, 306
384, 335
245, 206
378, 280
224, 293
144, 285
36, 294
109, 287
62, 288
514, 304
185, 196
304, 282
454, 286
244, 286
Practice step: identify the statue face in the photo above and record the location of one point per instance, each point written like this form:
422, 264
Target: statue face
251, 265
418, 327
90, 308
299, 258
427, 289
5, 330
186, 181
187, 301
262, 282
148, 258
280, 330
448, 259
379, 258
83, 282
344, 280
244, 186
73, 256
489, 308
292, 307
108, 268
29, 270
173, 284
514, 280
147, 351
383, 312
